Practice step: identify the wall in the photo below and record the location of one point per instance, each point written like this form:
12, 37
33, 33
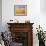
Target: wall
0, 15
36, 14
43, 14
8, 11
33, 14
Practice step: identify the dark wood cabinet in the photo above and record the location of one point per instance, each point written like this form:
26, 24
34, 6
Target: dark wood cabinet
22, 33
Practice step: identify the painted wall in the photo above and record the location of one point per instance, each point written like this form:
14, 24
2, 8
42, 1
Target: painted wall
43, 14
33, 11
34, 14
0, 15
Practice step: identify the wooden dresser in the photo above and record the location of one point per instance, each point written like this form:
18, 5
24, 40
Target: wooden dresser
22, 33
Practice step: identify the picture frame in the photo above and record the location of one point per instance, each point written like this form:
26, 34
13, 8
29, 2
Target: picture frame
20, 10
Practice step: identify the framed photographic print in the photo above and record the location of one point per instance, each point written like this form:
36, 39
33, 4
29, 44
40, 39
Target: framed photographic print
20, 10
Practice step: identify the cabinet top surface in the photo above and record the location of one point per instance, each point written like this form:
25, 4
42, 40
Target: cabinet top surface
19, 23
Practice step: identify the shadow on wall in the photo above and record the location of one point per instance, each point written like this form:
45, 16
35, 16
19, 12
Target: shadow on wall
43, 6
0, 15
